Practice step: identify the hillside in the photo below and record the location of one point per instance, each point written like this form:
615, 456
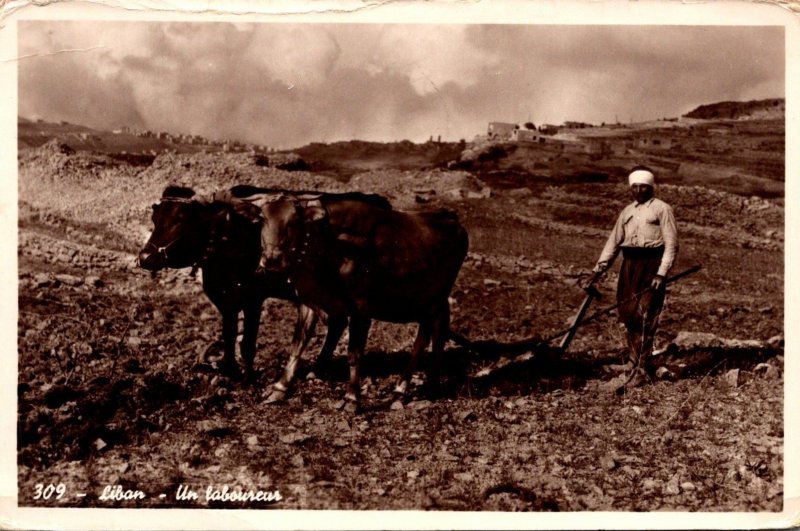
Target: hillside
120, 141
345, 159
744, 156
738, 110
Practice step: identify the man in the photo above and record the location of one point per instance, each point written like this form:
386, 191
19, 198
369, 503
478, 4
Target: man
645, 232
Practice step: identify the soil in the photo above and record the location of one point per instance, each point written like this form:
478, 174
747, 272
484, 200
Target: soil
111, 392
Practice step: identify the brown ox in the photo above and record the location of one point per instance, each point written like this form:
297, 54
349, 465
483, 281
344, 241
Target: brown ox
214, 234
352, 260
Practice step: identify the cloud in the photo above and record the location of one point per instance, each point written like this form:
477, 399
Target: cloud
289, 84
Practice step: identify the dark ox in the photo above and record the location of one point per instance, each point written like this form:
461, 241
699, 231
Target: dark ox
222, 238
359, 262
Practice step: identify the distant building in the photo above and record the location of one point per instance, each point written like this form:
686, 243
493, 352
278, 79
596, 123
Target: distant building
548, 129
576, 125
501, 129
526, 135
589, 146
654, 142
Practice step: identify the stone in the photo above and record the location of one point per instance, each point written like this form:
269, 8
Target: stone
93, 281
761, 367
690, 340
650, 484
662, 373
82, 348
743, 343
467, 415
672, 487
767, 370
775, 342
133, 341
41, 280
69, 280
614, 384
608, 462
214, 428
731, 378
294, 438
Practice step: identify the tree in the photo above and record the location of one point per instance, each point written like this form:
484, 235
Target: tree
530, 126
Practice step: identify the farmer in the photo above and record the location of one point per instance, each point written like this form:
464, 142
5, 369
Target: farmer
645, 233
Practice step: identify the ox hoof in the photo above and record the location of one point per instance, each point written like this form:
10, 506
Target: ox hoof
231, 371
350, 404
276, 396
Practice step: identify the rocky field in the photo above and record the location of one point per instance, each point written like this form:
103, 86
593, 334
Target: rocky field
110, 391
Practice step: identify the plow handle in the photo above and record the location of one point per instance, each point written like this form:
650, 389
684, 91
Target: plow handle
479, 347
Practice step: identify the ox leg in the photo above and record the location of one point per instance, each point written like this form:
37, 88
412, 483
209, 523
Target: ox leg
420, 344
230, 329
359, 331
336, 326
303, 330
252, 318
441, 329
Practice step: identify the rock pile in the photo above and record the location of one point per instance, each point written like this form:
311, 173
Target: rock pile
409, 187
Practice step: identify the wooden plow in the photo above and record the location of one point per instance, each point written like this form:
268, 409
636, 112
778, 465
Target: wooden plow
514, 354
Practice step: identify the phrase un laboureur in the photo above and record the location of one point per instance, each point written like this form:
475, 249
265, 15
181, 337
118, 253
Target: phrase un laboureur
226, 494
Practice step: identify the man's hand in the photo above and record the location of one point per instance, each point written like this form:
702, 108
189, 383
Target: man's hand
658, 282
591, 279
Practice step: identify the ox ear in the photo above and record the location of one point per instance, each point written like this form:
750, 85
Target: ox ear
315, 211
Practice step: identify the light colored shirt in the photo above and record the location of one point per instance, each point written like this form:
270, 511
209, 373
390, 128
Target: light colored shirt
649, 224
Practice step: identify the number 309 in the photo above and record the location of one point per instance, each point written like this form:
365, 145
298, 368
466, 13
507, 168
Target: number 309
45, 492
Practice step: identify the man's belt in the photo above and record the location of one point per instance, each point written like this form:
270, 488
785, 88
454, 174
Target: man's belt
641, 253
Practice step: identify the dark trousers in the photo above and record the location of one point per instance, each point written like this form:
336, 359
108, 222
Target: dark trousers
640, 306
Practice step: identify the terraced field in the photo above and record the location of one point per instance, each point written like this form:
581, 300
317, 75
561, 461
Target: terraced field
111, 392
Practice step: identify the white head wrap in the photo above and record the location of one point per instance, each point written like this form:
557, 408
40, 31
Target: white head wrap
641, 177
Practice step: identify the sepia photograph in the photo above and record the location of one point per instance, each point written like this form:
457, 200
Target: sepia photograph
459, 263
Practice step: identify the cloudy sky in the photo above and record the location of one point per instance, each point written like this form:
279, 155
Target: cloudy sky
285, 85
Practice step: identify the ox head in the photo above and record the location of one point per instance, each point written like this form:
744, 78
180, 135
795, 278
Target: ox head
177, 240
287, 224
